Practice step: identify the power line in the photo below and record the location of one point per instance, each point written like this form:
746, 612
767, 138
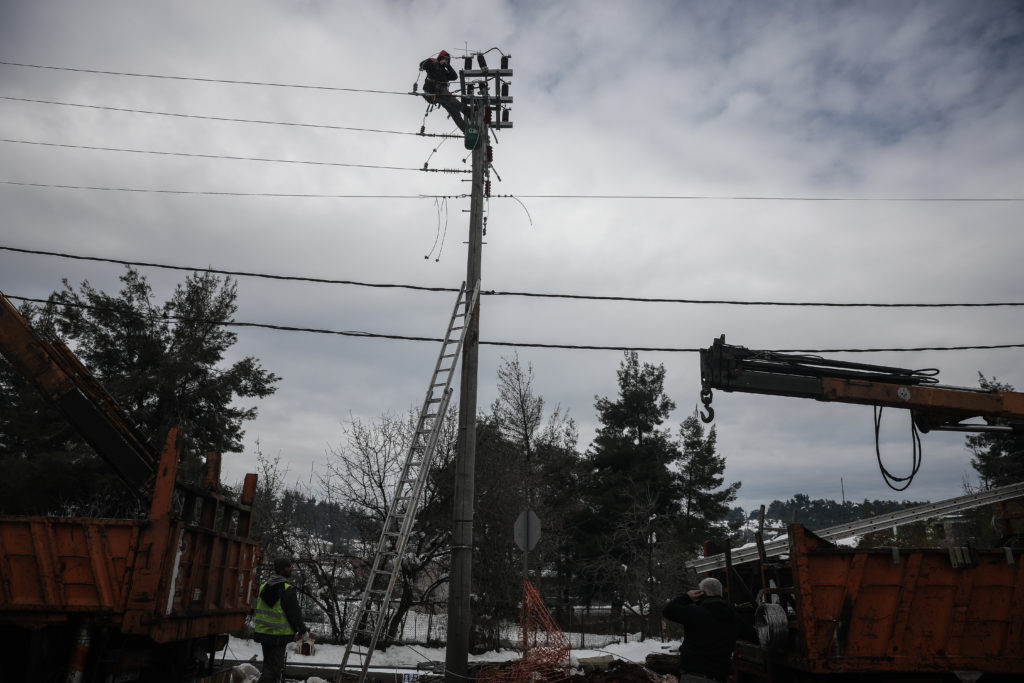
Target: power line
517, 197
233, 158
506, 196
587, 297
757, 198
234, 194
233, 273
227, 118
205, 80
575, 347
691, 197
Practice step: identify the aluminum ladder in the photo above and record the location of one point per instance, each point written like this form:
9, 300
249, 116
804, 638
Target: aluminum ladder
375, 606
864, 526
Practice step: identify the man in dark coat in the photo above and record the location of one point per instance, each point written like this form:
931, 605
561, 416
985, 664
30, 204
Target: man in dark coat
435, 87
277, 619
710, 628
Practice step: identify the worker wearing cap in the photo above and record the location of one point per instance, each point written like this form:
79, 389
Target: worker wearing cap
435, 87
710, 629
277, 619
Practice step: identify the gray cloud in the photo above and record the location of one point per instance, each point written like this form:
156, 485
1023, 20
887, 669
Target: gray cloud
723, 99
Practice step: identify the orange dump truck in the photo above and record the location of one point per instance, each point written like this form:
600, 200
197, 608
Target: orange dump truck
888, 614
151, 599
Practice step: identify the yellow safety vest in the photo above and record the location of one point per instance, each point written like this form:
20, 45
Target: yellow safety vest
271, 620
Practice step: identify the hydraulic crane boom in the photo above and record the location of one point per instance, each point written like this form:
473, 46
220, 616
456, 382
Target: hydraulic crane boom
58, 375
736, 368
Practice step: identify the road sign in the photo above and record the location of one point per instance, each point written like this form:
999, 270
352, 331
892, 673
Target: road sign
527, 530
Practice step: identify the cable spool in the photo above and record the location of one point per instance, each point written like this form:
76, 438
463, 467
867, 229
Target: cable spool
772, 625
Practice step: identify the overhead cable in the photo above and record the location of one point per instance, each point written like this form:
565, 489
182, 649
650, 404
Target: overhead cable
535, 345
756, 198
515, 197
518, 196
227, 118
585, 297
233, 158
288, 195
205, 80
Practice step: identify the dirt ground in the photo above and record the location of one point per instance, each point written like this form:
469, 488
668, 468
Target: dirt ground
659, 669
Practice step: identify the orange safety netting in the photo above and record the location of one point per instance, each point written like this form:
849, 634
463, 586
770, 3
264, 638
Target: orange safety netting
545, 647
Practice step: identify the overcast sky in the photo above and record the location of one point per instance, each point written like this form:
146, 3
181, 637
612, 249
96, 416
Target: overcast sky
723, 101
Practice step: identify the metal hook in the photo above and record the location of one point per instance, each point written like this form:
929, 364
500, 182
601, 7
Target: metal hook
705, 398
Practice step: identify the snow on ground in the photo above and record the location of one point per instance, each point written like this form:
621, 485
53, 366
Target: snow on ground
410, 656
634, 651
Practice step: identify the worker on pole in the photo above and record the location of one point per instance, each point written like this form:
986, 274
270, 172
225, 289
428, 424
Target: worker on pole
435, 87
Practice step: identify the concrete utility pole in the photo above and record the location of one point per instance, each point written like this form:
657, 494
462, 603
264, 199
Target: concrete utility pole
460, 585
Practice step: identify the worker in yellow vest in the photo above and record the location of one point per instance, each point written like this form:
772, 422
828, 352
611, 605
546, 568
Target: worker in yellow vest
278, 619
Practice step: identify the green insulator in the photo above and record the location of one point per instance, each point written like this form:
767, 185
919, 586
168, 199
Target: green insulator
473, 136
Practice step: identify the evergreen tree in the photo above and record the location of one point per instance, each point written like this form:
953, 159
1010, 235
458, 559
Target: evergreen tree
163, 364
998, 458
627, 481
704, 501
497, 561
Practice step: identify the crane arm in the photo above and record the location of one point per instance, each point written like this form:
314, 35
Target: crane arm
59, 376
736, 368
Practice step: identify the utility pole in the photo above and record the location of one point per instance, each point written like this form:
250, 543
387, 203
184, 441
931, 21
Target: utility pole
460, 584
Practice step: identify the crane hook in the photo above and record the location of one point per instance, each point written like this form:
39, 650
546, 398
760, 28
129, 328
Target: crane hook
705, 398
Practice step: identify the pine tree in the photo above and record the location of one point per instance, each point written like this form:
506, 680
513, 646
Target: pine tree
998, 458
704, 500
628, 486
163, 364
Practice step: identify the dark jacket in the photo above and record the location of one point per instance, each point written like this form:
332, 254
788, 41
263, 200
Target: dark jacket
274, 591
438, 76
710, 629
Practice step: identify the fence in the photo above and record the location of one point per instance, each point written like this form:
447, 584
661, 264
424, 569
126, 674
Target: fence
586, 628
